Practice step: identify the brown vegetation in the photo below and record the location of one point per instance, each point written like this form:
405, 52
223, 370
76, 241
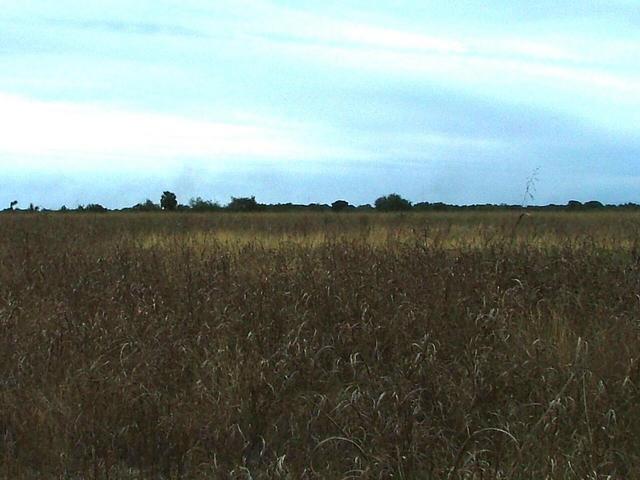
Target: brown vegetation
320, 346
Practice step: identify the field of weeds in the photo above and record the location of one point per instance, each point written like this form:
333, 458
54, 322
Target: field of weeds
462, 346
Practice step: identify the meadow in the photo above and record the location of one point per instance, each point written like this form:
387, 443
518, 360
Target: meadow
310, 346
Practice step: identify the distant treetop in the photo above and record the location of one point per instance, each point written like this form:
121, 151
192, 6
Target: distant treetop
146, 206
200, 205
392, 203
388, 203
244, 204
168, 201
340, 205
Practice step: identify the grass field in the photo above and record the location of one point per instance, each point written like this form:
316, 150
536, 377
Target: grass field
416, 346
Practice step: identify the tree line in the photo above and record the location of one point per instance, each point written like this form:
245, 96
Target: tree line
387, 203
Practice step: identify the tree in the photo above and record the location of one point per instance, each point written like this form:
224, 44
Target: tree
13, 204
365, 207
244, 204
95, 207
168, 201
146, 206
198, 204
339, 205
593, 204
392, 203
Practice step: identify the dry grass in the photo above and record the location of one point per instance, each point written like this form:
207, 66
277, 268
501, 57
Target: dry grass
320, 346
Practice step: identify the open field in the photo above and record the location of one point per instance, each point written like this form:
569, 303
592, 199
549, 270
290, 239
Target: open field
414, 346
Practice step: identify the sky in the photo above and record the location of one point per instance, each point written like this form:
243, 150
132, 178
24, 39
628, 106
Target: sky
113, 102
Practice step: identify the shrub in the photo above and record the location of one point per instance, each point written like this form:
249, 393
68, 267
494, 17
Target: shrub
392, 203
244, 204
168, 201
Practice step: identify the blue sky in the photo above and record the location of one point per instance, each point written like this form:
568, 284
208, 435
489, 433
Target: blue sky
307, 101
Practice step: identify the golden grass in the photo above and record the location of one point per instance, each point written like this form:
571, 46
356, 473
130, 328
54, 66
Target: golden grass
320, 346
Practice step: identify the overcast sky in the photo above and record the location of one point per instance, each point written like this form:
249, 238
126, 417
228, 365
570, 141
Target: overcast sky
113, 102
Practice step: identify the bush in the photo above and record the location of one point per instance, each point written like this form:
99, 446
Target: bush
340, 205
146, 206
198, 204
392, 203
168, 201
95, 207
244, 204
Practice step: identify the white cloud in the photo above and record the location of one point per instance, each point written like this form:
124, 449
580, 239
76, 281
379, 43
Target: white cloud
372, 36
492, 63
302, 25
395, 39
522, 71
57, 134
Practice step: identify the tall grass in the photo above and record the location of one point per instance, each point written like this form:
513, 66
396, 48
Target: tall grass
320, 346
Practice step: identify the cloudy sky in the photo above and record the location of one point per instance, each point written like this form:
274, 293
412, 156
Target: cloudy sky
115, 101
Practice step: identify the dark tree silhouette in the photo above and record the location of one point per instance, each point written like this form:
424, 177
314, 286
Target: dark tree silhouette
593, 204
244, 204
339, 205
392, 203
168, 201
198, 204
13, 204
95, 207
146, 206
